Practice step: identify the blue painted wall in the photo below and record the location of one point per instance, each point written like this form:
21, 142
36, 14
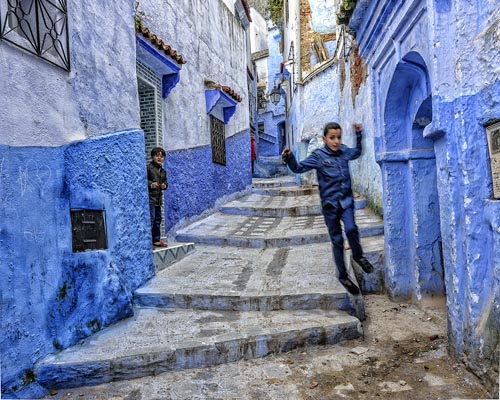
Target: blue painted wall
52, 297
471, 226
195, 182
448, 51
273, 146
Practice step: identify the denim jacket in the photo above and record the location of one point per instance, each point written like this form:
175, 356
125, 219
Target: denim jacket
332, 169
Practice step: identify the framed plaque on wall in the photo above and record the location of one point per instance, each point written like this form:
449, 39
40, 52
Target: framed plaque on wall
493, 135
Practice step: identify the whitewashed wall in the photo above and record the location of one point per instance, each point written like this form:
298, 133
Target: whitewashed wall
258, 32
213, 42
44, 105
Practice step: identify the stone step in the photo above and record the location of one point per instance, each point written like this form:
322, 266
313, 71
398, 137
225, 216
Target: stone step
230, 278
288, 191
166, 256
270, 170
280, 181
257, 205
155, 341
263, 232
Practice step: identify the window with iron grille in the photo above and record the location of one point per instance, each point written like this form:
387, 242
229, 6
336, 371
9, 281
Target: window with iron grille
39, 27
218, 138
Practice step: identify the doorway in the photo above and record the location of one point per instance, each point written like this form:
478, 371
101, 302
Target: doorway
413, 250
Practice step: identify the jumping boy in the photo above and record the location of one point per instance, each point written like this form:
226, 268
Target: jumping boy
157, 183
331, 163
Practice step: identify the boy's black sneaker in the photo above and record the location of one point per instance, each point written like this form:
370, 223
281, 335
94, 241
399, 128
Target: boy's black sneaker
365, 265
350, 286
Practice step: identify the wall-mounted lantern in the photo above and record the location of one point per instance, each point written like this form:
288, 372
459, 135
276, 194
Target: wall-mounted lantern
275, 95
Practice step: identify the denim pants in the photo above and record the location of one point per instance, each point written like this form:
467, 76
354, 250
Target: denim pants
155, 214
333, 216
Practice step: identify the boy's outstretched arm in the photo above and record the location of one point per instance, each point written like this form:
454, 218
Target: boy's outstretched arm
355, 152
298, 167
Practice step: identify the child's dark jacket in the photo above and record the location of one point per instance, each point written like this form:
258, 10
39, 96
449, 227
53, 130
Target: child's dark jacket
332, 169
156, 173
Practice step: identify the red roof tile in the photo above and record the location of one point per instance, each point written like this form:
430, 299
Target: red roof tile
226, 89
160, 44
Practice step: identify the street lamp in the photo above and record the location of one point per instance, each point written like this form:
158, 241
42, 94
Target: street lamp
275, 95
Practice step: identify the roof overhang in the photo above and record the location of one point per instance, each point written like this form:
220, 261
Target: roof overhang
219, 104
163, 65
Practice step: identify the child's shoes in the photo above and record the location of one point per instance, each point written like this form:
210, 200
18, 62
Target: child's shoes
365, 264
350, 286
161, 243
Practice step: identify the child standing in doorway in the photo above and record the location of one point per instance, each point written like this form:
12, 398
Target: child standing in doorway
157, 183
331, 163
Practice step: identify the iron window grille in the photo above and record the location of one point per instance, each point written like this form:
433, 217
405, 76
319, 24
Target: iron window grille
218, 139
39, 27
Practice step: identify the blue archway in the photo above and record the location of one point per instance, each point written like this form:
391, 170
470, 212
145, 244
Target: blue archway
414, 267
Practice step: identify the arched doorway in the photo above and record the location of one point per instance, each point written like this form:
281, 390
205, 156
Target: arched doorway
413, 253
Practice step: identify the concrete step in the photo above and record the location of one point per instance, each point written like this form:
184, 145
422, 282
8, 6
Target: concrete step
270, 171
230, 278
287, 180
155, 341
263, 232
258, 205
288, 191
166, 256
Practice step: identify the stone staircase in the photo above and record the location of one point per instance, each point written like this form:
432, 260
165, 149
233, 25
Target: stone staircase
261, 280
269, 166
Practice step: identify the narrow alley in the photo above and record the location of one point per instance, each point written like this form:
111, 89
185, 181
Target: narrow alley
256, 312
162, 234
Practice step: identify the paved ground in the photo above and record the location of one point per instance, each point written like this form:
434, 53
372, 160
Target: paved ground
265, 284
402, 356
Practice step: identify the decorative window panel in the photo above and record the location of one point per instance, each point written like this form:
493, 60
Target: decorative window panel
39, 27
218, 139
150, 105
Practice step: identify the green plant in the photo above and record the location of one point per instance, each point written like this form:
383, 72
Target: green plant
276, 11
139, 16
345, 11
348, 5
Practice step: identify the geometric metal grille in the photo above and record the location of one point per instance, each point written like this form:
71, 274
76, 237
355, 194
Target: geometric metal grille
218, 139
39, 27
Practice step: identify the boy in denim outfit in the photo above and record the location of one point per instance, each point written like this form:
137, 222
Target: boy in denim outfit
331, 163
157, 183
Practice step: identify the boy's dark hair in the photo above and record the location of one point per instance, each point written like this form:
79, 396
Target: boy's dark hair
331, 125
157, 150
